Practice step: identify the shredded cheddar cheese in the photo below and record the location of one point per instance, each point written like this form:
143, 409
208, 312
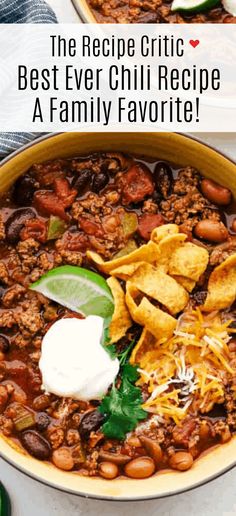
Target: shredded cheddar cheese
187, 372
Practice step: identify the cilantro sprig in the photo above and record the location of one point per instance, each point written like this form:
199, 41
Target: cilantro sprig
122, 406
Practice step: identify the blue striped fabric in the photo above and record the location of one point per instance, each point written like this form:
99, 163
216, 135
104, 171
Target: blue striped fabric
22, 11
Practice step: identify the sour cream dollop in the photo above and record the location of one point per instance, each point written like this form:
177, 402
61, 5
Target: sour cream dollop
73, 362
230, 6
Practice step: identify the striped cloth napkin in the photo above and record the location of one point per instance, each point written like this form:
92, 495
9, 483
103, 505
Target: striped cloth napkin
22, 11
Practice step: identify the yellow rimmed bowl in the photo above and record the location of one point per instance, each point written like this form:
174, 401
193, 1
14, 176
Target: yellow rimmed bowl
84, 11
178, 149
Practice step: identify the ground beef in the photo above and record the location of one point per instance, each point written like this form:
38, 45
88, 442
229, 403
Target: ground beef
152, 11
186, 205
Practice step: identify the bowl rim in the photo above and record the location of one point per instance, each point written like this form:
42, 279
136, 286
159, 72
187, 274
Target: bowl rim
81, 12
112, 498
48, 136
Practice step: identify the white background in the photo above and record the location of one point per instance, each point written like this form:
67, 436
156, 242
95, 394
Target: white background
29, 498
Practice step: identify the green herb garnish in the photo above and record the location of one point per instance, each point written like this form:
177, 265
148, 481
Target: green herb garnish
123, 407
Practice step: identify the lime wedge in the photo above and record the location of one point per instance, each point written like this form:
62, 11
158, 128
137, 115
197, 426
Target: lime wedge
78, 289
193, 6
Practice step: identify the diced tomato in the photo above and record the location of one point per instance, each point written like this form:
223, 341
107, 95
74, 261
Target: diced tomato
147, 222
136, 184
64, 192
34, 228
91, 228
46, 173
75, 242
48, 203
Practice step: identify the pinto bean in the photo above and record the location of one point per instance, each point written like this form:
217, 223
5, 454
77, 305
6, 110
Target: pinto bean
142, 467
163, 178
216, 193
233, 225
115, 458
62, 458
181, 461
152, 448
36, 445
108, 470
16, 222
211, 230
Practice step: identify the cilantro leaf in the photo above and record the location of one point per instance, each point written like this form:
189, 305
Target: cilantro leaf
116, 427
123, 407
111, 350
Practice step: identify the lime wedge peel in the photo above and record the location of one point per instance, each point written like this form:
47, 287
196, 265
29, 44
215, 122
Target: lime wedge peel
193, 6
78, 289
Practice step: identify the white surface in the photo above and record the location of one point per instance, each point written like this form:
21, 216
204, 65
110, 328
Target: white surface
30, 498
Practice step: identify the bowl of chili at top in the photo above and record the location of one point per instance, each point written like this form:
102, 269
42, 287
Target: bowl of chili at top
183, 152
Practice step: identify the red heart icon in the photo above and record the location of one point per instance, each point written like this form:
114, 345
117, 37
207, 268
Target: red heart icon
194, 42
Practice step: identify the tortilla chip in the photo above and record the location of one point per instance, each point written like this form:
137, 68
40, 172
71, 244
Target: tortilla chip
146, 253
125, 271
167, 247
121, 320
146, 342
153, 282
189, 260
187, 283
222, 286
156, 321
164, 231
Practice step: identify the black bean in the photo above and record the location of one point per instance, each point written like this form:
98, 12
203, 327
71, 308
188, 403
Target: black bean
90, 422
4, 344
36, 445
42, 421
15, 223
218, 411
163, 178
100, 181
24, 191
84, 180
